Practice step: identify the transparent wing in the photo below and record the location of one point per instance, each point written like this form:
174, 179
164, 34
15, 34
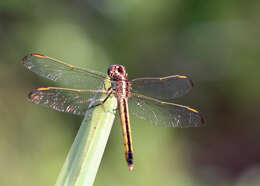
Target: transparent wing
73, 101
62, 72
164, 113
163, 88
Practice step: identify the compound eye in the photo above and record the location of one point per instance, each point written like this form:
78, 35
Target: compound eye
121, 69
110, 70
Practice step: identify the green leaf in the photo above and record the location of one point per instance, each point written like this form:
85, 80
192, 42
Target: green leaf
83, 160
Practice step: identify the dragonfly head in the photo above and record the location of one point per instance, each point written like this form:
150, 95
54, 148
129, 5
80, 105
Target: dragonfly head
117, 72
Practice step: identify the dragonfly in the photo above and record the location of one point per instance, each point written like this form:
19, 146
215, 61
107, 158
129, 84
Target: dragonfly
144, 97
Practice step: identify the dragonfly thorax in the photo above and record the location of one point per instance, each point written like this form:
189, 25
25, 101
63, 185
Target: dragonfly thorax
117, 72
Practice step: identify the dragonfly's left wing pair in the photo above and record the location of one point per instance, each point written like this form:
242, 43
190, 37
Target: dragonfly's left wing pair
61, 72
74, 101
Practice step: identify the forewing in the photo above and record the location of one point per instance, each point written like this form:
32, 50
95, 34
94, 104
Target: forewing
62, 72
73, 101
163, 88
164, 113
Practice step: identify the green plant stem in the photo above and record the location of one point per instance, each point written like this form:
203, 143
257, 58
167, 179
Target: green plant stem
81, 165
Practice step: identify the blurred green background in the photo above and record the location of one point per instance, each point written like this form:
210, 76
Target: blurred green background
214, 42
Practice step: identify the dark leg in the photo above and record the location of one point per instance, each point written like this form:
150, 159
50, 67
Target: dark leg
109, 91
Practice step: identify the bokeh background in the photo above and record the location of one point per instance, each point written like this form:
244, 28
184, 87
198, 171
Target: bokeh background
214, 42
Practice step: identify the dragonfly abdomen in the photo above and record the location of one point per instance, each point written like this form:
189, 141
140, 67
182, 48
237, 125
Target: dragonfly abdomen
126, 129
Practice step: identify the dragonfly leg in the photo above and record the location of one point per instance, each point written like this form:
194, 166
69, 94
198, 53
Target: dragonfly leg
109, 92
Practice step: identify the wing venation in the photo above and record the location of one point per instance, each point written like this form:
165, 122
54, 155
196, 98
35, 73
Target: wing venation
73, 101
163, 88
61, 72
164, 113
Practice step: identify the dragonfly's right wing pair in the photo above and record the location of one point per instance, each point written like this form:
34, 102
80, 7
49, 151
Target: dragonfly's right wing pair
160, 112
76, 101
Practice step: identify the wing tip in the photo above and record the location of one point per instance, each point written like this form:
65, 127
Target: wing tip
202, 120
31, 95
25, 58
186, 77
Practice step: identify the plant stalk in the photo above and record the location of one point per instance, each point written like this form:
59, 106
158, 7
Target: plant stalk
82, 163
